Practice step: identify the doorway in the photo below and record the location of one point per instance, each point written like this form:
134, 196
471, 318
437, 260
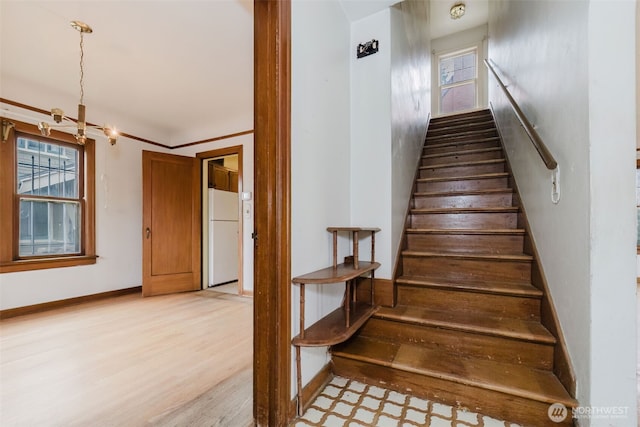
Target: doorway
223, 205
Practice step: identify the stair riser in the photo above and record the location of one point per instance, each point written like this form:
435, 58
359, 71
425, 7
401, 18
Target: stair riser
451, 148
454, 171
500, 349
466, 201
478, 303
495, 404
462, 137
476, 116
461, 157
455, 128
455, 268
465, 220
462, 185
468, 243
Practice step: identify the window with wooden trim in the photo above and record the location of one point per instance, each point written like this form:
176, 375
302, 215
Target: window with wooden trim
46, 200
458, 81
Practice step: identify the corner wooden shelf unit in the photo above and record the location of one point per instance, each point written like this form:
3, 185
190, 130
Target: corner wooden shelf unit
343, 322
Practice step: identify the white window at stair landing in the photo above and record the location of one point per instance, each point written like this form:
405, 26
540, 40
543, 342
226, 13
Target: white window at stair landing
458, 81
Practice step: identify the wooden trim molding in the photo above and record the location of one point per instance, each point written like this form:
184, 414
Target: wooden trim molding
397, 268
128, 135
45, 263
227, 151
9, 260
312, 389
51, 305
272, 203
562, 366
217, 138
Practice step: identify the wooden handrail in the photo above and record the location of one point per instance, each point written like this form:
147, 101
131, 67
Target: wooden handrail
542, 149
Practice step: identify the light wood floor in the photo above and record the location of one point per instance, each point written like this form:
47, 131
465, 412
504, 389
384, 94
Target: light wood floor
126, 361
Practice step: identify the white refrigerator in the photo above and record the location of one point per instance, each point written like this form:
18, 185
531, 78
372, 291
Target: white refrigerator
223, 237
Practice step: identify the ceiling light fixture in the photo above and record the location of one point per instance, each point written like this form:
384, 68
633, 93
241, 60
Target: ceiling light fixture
80, 124
457, 10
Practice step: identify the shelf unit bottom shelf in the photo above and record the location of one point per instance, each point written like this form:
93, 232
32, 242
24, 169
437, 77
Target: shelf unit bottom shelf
332, 329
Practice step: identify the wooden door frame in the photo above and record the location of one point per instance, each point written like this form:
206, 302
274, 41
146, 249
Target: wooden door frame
272, 222
220, 152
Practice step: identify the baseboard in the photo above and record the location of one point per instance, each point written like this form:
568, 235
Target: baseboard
51, 305
562, 366
383, 291
311, 390
398, 268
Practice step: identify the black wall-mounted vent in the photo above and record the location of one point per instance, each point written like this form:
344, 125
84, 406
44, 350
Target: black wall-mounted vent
368, 48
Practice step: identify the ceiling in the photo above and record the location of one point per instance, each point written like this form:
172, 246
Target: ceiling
441, 24
476, 13
172, 72
169, 71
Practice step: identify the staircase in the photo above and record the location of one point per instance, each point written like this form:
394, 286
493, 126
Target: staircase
466, 329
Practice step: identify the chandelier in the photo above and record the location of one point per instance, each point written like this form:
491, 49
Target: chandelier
80, 124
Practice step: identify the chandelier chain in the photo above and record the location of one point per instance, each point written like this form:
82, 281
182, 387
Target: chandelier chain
81, 68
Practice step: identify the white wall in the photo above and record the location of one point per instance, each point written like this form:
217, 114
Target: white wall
371, 135
612, 133
320, 157
556, 60
410, 106
118, 229
390, 106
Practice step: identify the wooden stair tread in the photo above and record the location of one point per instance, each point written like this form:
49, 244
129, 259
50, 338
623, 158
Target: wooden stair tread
462, 116
523, 289
332, 329
437, 122
467, 163
497, 209
520, 329
340, 273
521, 381
465, 124
463, 142
462, 152
463, 134
367, 229
465, 177
470, 255
463, 192
475, 231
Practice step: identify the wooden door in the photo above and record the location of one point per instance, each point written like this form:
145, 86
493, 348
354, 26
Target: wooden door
171, 224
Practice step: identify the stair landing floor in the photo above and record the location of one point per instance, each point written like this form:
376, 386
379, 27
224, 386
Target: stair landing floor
349, 403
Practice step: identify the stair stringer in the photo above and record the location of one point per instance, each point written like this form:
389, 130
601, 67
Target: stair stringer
397, 268
562, 366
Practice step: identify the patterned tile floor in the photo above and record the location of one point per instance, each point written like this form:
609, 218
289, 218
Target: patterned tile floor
349, 403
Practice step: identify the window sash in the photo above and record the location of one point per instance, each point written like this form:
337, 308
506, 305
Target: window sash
472, 81
35, 208
54, 230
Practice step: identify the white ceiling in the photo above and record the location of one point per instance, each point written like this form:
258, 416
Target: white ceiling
169, 71
358, 9
441, 24
172, 72
476, 13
